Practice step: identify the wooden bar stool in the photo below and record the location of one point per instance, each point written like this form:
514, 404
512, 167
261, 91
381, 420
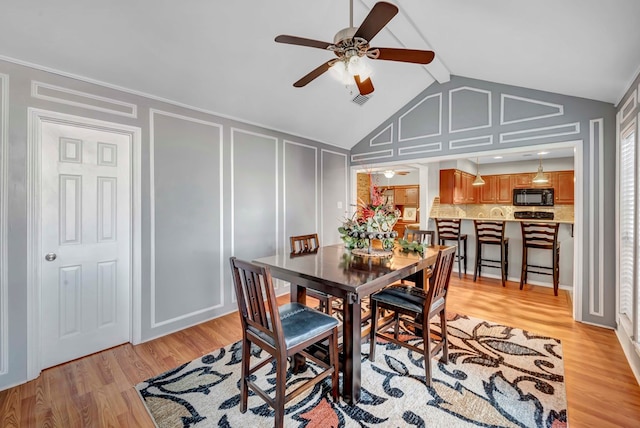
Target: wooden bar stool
543, 236
491, 233
449, 230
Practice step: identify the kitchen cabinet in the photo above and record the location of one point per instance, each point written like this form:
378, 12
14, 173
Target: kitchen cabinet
504, 194
406, 195
521, 180
496, 190
564, 187
456, 187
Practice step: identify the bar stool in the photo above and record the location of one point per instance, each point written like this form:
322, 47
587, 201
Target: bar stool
543, 236
491, 233
449, 230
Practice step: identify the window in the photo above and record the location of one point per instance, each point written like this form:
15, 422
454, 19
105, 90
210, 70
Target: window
627, 220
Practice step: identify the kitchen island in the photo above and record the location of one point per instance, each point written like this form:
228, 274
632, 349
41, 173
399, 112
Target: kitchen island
562, 214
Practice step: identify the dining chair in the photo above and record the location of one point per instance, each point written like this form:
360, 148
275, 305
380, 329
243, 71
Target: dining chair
414, 307
306, 244
489, 232
281, 331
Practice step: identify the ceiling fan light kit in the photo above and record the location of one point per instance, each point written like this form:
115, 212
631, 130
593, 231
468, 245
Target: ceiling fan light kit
352, 48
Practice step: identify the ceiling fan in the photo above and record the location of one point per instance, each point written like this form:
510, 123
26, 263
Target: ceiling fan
351, 44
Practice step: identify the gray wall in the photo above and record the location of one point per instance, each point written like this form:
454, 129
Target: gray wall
212, 187
469, 116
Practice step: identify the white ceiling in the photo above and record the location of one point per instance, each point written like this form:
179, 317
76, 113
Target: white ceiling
220, 56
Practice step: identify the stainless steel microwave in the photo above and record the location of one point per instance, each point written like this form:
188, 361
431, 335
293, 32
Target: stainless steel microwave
533, 197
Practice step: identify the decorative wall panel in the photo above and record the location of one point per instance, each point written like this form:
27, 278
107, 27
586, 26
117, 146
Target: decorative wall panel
515, 109
539, 133
469, 109
422, 120
383, 137
58, 94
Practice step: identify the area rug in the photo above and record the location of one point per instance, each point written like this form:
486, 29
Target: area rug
497, 376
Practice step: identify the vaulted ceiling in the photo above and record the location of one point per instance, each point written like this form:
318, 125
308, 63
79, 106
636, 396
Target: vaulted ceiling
220, 56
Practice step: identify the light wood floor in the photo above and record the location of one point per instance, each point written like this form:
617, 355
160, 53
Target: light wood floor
97, 390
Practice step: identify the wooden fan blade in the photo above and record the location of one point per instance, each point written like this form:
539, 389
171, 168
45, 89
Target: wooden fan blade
365, 87
405, 55
378, 17
301, 41
314, 73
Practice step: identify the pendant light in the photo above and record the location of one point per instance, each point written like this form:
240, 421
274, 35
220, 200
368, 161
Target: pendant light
540, 177
478, 181
389, 173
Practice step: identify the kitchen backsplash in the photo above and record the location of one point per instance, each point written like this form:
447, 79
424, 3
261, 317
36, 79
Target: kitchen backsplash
563, 213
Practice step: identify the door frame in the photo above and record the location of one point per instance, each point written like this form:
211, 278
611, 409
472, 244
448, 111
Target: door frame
35, 119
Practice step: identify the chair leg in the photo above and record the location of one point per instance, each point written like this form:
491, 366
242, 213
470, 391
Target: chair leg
374, 329
444, 336
333, 360
476, 271
556, 272
329, 304
281, 387
244, 375
465, 256
502, 262
459, 250
523, 271
426, 341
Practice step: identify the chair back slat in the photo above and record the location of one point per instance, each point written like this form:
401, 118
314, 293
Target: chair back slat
489, 231
304, 244
439, 281
448, 228
420, 236
540, 235
257, 302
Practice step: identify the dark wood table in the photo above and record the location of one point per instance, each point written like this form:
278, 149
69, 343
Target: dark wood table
334, 270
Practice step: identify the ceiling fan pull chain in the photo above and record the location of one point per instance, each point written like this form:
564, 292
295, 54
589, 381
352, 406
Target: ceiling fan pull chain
350, 13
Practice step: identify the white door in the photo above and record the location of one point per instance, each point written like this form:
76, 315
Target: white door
85, 241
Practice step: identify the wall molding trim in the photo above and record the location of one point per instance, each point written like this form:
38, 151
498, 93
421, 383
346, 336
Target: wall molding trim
503, 97
629, 106
83, 99
346, 186
4, 178
381, 154
152, 223
596, 182
420, 148
540, 133
35, 119
463, 143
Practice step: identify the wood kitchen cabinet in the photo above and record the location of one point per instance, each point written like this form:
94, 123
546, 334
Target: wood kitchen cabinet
521, 180
564, 187
496, 190
456, 187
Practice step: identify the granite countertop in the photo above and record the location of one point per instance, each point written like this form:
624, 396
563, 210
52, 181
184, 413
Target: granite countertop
536, 220
561, 213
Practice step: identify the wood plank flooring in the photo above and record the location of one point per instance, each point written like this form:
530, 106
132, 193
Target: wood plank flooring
97, 391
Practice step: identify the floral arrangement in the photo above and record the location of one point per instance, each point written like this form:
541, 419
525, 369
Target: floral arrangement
373, 220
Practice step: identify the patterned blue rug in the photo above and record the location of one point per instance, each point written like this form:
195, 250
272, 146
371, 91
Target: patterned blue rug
497, 376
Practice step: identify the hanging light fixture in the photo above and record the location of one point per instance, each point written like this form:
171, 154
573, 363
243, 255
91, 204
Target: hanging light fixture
540, 177
389, 173
478, 181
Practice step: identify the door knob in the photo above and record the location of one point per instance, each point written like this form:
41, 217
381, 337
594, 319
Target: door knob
50, 257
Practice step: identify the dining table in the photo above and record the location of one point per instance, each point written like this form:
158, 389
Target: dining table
337, 270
